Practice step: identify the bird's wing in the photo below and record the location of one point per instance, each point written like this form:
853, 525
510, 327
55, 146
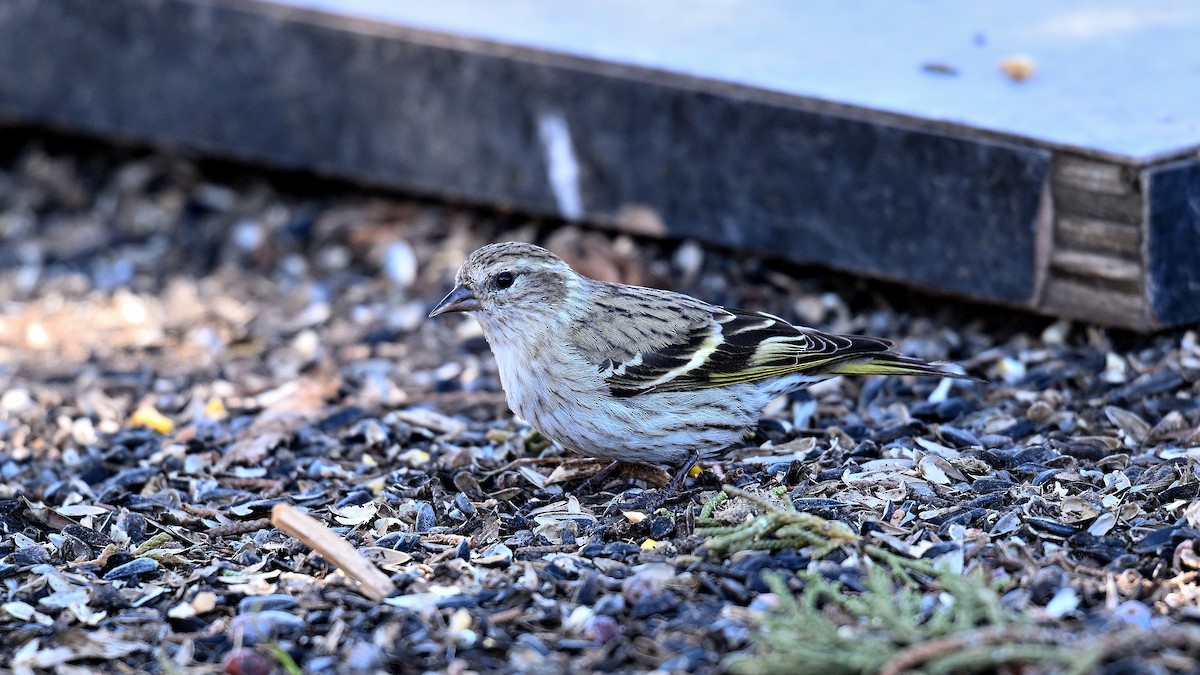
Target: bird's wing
669, 342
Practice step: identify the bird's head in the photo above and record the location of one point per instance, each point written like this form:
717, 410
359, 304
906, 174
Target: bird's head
510, 283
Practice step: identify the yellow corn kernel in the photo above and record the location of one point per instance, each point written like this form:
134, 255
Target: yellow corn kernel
147, 416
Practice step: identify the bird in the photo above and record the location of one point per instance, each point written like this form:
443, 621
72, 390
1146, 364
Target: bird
642, 375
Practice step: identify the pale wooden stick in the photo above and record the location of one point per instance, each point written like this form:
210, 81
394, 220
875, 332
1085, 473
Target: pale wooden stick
375, 584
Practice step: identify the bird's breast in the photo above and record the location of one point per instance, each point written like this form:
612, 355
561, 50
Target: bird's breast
541, 375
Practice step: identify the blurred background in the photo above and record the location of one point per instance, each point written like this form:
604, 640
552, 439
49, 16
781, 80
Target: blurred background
1032, 155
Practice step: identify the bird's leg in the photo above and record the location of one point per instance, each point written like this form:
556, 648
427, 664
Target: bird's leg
596, 482
677, 480
649, 501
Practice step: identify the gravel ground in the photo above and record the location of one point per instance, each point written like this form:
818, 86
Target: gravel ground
186, 344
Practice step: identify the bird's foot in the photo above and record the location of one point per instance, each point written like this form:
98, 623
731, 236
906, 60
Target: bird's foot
592, 485
651, 501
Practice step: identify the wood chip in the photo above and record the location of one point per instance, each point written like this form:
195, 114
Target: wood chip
375, 584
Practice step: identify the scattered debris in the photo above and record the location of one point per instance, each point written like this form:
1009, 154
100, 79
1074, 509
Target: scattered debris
188, 348
1018, 68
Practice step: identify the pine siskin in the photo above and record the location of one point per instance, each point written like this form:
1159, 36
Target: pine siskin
637, 374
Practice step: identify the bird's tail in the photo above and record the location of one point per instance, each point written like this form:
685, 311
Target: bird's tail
894, 364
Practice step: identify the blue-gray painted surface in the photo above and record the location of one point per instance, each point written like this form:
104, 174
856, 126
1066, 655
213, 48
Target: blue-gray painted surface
1116, 76
1174, 242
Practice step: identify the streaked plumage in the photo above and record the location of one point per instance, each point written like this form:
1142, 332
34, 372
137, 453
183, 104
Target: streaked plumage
639, 374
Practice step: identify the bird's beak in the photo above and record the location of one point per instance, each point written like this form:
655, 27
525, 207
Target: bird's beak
461, 299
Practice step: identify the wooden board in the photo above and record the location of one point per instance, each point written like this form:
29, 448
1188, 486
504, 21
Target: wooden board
968, 206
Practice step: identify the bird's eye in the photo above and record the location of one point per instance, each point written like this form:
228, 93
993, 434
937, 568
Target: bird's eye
504, 280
